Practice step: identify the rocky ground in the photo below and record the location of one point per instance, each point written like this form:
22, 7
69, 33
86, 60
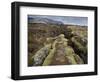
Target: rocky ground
56, 44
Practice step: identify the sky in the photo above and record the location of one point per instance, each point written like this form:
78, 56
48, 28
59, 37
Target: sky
65, 19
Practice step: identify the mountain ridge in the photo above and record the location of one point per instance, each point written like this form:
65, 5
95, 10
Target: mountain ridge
44, 20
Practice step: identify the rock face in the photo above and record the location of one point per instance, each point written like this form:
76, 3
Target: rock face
41, 55
56, 52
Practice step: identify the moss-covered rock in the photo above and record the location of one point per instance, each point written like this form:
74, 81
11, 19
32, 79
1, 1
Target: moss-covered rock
41, 55
49, 58
79, 48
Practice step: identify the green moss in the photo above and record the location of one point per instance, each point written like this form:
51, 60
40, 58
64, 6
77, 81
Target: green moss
69, 51
71, 59
78, 59
48, 59
78, 45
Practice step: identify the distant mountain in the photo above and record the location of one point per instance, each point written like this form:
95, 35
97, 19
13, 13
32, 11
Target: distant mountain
44, 20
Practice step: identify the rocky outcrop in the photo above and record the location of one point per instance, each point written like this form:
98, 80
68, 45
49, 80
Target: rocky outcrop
73, 42
80, 48
56, 52
41, 55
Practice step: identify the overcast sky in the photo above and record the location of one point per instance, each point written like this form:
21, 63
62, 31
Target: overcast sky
65, 19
